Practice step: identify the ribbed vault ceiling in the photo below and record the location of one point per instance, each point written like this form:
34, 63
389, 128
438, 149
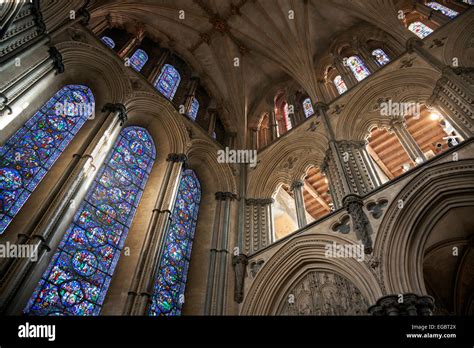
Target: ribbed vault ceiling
271, 47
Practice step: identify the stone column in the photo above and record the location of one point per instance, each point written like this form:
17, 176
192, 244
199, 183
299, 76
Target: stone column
193, 85
22, 276
217, 278
255, 144
12, 92
455, 105
212, 121
360, 222
297, 188
141, 290
345, 72
398, 127
257, 224
273, 125
433, 15
367, 57
159, 66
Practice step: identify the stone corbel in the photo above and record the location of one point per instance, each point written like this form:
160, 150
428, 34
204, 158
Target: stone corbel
239, 262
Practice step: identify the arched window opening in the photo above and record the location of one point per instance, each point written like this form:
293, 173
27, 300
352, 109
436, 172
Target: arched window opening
108, 41
78, 276
381, 57
419, 29
358, 68
284, 213
308, 107
168, 81
193, 111
443, 9
31, 152
432, 132
388, 154
317, 196
173, 267
340, 84
138, 59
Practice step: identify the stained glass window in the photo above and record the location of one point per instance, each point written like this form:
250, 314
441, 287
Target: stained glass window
340, 84
420, 30
173, 268
381, 57
470, 2
138, 59
79, 274
108, 41
168, 81
308, 107
443, 9
28, 155
358, 68
194, 109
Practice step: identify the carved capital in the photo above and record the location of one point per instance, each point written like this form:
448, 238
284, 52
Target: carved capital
413, 43
296, 184
259, 201
118, 108
177, 158
403, 305
57, 59
223, 196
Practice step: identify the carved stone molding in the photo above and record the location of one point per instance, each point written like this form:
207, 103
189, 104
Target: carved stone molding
223, 196
360, 222
239, 262
403, 304
177, 158
118, 108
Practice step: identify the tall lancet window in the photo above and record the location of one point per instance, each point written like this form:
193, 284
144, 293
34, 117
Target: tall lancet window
168, 81
79, 274
138, 59
340, 84
108, 41
358, 68
419, 29
443, 9
380, 56
172, 272
308, 107
194, 109
31, 152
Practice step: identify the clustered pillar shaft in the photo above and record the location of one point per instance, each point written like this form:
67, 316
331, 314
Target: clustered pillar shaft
399, 128
22, 276
217, 279
297, 188
141, 291
12, 91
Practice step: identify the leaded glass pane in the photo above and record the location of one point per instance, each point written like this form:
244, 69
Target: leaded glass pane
308, 107
168, 81
420, 30
381, 57
79, 273
358, 68
29, 154
138, 59
340, 84
443, 9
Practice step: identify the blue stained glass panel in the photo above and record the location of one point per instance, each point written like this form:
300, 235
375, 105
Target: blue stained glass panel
340, 84
443, 9
173, 268
308, 107
138, 59
419, 29
79, 274
108, 41
194, 109
168, 81
28, 155
358, 68
380, 56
